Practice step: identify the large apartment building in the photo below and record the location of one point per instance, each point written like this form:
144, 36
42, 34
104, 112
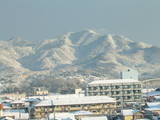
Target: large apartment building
95, 104
124, 90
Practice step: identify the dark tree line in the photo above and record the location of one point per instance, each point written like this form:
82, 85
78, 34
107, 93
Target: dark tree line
52, 84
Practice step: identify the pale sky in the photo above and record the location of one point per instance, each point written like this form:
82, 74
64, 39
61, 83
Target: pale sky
43, 19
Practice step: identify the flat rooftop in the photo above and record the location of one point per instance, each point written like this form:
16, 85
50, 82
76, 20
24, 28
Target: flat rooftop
113, 81
76, 100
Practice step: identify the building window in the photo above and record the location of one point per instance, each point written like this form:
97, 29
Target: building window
113, 87
101, 87
117, 86
106, 93
112, 92
125, 86
117, 92
136, 97
118, 98
106, 87
94, 88
128, 92
137, 86
89, 88
94, 94
128, 86
129, 97
134, 91
75, 105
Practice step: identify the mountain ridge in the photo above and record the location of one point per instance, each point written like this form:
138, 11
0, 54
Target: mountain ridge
83, 53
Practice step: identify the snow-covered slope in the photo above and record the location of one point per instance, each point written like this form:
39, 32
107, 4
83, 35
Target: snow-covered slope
87, 51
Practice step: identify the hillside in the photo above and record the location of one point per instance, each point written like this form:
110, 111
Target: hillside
72, 57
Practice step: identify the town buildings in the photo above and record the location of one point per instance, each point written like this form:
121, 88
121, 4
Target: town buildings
94, 104
131, 114
124, 90
18, 104
38, 91
104, 99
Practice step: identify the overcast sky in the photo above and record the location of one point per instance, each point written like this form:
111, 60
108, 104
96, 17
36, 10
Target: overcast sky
43, 19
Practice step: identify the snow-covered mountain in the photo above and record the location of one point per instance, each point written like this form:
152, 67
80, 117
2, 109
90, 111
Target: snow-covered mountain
85, 52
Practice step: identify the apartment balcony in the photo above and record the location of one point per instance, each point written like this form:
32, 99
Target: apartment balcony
108, 106
127, 94
95, 90
115, 95
129, 100
137, 100
127, 89
95, 107
58, 109
137, 88
137, 93
75, 108
36, 116
105, 90
38, 110
116, 88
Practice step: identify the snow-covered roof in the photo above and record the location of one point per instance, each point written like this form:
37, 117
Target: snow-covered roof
18, 102
114, 81
62, 116
157, 97
153, 93
95, 118
147, 90
7, 101
6, 118
71, 116
82, 113
32, 99
153, 106
6, 107
17, 114
128, 112
77, 100
54, 96
144, 119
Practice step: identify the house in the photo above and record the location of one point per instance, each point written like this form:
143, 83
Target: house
154, 107
78, 115
16, 114
18, 104
131, 114
6, 118
62, 116
91, 117
39, 91
95, 104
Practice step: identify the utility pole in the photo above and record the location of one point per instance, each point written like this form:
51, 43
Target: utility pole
53, 110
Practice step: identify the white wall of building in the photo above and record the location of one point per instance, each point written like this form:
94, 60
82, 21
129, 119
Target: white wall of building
129, 74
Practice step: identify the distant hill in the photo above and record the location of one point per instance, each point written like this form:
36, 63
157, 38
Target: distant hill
85, 53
